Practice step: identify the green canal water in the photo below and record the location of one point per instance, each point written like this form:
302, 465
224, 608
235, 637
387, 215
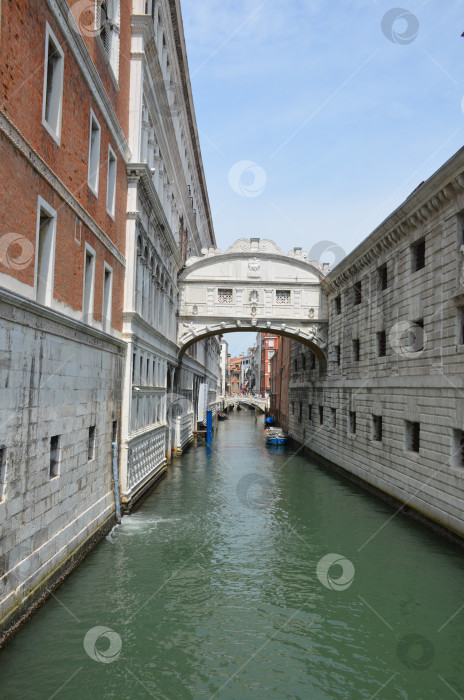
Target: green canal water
250, 572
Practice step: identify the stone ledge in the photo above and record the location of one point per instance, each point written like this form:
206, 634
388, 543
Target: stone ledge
39, 315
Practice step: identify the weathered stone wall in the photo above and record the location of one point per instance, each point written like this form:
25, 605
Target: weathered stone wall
410, 364
58, 378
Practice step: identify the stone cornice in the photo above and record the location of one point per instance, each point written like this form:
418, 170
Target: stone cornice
142, 25
36, 161
176, 19
76, 44
82, 332
136, 321
428, 200
141, 172
254, 247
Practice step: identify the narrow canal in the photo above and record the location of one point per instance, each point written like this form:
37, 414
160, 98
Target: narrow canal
222, 586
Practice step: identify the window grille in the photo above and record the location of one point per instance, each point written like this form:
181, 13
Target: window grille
283, 297
225, 296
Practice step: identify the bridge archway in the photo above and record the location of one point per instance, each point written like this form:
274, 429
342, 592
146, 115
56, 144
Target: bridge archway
255, 287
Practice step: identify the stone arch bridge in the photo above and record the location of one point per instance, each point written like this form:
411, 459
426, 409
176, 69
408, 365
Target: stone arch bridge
261, 404
253, 286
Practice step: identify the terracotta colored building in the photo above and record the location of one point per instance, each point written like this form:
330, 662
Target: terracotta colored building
235, 374
269, 344
279, 382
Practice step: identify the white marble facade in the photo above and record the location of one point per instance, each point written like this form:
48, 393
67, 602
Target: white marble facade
168, 219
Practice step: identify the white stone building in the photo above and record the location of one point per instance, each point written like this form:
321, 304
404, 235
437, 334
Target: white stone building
168, 219
388, 405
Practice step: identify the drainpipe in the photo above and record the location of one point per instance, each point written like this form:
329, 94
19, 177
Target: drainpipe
117, 502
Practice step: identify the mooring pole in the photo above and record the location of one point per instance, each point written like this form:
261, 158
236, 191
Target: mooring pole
209, 425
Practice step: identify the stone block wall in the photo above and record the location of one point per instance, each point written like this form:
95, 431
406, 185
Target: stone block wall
59, 381
388, 404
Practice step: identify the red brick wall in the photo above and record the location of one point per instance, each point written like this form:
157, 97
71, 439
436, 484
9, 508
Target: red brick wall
22, 53
20, 186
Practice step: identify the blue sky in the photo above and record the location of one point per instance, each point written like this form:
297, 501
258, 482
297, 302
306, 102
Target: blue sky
316, 121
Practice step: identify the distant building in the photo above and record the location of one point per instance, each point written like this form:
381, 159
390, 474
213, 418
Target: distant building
246, 376
279, 382
235, 374
224, 368
269, 343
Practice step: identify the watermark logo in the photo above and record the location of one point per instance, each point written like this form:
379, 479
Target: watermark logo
247, 179
103, 644
336, 572
169, 98
84, 13
408, 339
415, 652
177, 406
255, 491
400, 26
16, 251
327, 252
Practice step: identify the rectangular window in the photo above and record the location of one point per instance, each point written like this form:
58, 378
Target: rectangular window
108, 22
2, 473
357, 293
312, 361
458, 449
89, 284
416, 336
134, 359
270, 343
111, 183
91, 444
411, 436
310, 412
418, 255
333, 418
355, 349
54, 456
53, 85
381, 344
94, 153
293, 408
107, 296
338, 354
337, 305
382, 277
114, 431
321, 415
45, 253
377, 428
352, 423
300, 413
460, 325
295, 365
225, 296
303, 359
283, 297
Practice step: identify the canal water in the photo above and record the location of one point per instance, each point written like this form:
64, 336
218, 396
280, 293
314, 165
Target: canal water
251, 572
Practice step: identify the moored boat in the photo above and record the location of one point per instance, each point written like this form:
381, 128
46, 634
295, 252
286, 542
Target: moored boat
222, 416
275, 436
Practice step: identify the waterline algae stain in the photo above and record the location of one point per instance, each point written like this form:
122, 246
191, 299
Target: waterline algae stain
246, 575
